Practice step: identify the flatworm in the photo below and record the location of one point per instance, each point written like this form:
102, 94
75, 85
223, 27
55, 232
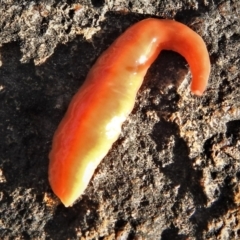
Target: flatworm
93, 120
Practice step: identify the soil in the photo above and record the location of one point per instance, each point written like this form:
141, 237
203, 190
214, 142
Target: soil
174, 172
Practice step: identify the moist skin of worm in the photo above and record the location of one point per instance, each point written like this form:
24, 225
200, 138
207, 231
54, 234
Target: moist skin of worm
95, 115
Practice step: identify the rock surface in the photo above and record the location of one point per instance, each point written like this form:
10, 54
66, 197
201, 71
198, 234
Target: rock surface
174, 173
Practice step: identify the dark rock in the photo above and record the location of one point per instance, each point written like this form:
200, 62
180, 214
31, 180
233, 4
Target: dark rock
174, 172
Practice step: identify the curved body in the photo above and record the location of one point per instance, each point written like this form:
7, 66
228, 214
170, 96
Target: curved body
95, 115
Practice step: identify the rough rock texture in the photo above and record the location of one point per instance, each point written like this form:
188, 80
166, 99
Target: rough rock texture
174, 173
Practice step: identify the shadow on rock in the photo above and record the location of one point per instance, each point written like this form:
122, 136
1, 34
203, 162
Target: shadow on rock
33, 100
